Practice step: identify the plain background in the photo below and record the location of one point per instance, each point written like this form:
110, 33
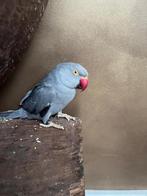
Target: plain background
109, 37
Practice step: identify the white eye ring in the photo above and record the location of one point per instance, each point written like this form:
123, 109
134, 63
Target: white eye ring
75, 72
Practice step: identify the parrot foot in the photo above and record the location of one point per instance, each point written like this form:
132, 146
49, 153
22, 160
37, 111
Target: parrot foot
68, 117
51, 124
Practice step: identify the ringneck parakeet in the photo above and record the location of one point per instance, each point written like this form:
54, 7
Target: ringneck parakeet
52, 94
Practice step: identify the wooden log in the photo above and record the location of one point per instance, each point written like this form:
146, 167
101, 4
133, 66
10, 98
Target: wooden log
39, 161
18, 21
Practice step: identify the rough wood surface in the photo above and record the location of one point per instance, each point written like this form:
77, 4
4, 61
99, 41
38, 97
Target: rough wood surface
38, 161
18, 20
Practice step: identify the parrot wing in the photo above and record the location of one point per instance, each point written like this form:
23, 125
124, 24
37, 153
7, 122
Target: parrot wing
27, 94
38, 99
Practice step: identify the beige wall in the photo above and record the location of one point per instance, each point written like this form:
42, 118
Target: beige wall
109, 37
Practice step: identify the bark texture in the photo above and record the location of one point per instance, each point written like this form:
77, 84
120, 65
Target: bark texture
39, 161
18, 21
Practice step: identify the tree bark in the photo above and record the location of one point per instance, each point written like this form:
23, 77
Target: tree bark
39, 161
18, 21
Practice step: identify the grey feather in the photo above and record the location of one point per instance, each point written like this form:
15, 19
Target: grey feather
13, 114
27, 94
40, 97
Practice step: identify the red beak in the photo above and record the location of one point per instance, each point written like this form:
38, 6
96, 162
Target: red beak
83, 83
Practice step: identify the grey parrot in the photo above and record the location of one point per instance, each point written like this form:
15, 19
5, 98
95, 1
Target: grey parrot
51, 95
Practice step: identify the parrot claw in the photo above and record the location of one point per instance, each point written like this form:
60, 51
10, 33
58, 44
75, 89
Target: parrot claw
68, 117
51, 124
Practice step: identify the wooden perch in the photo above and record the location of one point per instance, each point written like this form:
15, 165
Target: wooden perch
39, 161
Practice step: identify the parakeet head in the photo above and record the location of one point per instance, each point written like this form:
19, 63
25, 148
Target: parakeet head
73, 75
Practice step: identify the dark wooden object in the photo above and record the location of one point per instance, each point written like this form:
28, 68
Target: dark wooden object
38, 161
18, 21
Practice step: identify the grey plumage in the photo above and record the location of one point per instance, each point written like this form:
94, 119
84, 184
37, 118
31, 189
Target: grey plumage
51, 95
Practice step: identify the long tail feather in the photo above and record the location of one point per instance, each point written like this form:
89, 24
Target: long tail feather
13, 114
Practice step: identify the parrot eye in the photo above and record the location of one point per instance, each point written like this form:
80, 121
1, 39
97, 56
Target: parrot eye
75, 72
